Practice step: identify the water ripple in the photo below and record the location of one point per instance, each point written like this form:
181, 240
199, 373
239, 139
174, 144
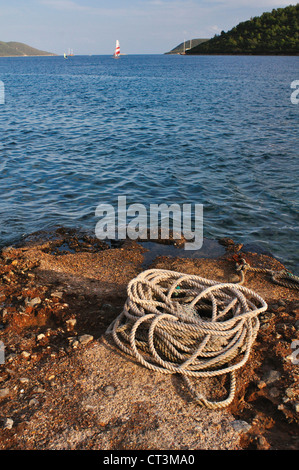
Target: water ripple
157, 129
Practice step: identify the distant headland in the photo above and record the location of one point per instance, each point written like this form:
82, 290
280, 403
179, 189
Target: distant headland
18, 49
273, 33
186, 45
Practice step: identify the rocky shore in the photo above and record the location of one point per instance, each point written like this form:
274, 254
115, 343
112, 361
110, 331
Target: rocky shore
64, 383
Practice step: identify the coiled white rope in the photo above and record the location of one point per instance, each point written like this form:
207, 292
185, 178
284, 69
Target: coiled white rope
183, 324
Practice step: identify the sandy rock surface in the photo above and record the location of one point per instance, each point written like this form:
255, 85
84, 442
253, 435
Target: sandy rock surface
66, 385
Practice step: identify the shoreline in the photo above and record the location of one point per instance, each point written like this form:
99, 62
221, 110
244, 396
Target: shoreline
36, 55
265, 54
65, 384
212, 247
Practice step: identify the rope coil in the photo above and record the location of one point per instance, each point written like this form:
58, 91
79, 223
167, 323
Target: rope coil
176, 323
283, 278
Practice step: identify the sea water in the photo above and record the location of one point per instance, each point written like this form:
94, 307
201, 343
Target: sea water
221, 131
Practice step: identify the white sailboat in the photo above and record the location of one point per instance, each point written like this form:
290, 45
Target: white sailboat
117, 51
184, 51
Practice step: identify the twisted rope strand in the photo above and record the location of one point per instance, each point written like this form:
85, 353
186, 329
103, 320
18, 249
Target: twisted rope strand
184, 324
283, 277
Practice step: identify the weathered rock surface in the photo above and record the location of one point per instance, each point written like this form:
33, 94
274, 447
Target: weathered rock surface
66, 385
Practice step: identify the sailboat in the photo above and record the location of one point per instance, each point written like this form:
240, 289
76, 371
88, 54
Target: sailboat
184, 51
117, 51
64, 55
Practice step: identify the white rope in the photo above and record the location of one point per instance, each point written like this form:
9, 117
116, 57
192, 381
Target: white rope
183, 324
283, 277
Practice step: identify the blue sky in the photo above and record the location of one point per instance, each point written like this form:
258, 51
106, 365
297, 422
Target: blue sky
142, 26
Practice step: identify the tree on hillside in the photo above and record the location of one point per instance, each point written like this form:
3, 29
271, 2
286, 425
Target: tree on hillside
275, 32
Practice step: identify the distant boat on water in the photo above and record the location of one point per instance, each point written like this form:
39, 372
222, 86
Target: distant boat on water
69, 54
184, 50
117, 51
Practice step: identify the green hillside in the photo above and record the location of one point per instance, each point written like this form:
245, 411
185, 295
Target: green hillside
17, 49
186, 45
275, 33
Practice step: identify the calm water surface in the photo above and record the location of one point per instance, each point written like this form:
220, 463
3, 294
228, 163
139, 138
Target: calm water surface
217, 131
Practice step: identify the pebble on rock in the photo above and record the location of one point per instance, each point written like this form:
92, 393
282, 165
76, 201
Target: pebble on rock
40, 337
272, 376
24, 380
25, 355
33, 302
33, 402
109, 390
73, 342
57, 294
4, 392
8, 424
85, 339
240, 426
70, 324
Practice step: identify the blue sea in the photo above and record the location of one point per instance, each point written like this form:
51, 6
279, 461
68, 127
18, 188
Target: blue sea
220, 131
